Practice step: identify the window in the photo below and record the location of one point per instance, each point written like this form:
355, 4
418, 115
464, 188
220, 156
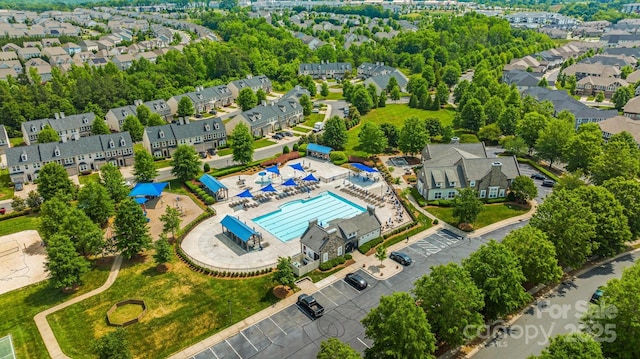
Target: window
452, 184
122, 142
112, 144
438, 184
451, 194
325, 257
483, 193
501, 193
155, 145
437, 195
493, 192
161, 134
68, 161
84, 167
472, 183
340, 250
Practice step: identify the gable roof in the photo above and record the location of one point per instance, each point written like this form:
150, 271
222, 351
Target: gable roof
563, 101
211, 183
238, 228
633, 106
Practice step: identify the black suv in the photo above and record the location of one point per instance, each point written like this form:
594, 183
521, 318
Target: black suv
538, 176
401, 258
356, 280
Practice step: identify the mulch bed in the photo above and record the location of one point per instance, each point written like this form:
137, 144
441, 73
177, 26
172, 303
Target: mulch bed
282, 292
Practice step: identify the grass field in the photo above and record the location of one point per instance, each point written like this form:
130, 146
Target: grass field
331, 96
313, 118
125, 313
301, 129
94, 177
18, 307
163, 163
183, 307
490, 214
395, 114
6, 186
263, 142
19, 224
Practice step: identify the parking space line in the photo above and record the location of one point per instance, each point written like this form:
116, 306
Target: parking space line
245, 337
214, 353
440, 244
276, 324
363, 343
336, 304
337, 290
263, 333
232, 348
422, 254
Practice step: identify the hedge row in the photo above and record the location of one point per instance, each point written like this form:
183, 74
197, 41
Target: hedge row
282, 159
234, 169
441, 203
364, 161
535, 165
14, 214
202, 194
332, 263
367, 246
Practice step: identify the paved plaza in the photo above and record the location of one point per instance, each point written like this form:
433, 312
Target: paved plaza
207, 244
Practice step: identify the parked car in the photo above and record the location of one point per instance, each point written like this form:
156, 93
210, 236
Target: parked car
538, 176
211, 151
548, 183
595, 298
198, 115
213, 112
356, 280
401, 258
310, 305
288, 133
3, 210
203, 154
277, 136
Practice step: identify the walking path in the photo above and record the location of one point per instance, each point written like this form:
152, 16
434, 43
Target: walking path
41, 318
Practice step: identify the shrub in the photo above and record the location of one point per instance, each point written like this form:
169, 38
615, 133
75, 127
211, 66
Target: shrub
281, 159
436, 221
302, 148
338, 157
348, 256
295, 147
206, 168
285, 150
372, 243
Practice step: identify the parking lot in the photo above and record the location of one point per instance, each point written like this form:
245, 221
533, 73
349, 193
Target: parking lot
527, 170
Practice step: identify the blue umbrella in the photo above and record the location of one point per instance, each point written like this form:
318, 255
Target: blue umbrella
310, 177
297, 167
268, 188
245, 194
273, 169
289, 182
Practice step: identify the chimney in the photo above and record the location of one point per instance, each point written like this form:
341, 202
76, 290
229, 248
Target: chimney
313, 221
56, 115
371, 210
61, 114
455, 140
264, 102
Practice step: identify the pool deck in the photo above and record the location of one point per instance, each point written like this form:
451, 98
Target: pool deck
207, 244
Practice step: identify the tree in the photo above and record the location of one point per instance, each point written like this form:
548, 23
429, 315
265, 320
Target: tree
132, 232
543, 82
618, 159
508, 120
185, 107
241, 143
113, 181
34, 200
85, 235
467, 205
621, 97
442, 94
398, 310
382, 100
185, 162
307, 105
333, 348
170, 221
261, 95
529, 128
18, 204
472, 115
335, 133
393, 82
144, 169
572, 84
99, 127
285, 275
552, 140
156, 120
163, 249
372, 138
52, 214
493, 109
573, 345
373, 92
490, 133
496, 272
307, 82
413, 136
381, 254
247, 99
612, 231
95, 202
569, 223
515, 146
614, 322
135, 128
53, 179
583, 148
451, 301
114, 345
324, 90
391, 133
627, 192
524, 189
48, 134
600, 96
395, 93
536, 255
64, 265
362, 100
143, 113
451, 74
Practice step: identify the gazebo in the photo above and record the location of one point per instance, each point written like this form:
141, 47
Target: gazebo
214, 187
240, 233
318, 151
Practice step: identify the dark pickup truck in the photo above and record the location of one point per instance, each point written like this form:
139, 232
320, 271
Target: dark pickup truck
309, 304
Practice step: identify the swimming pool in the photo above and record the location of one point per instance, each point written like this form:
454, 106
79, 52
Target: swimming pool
292, 219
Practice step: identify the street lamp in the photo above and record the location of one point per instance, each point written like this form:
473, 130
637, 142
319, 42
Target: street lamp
229, 302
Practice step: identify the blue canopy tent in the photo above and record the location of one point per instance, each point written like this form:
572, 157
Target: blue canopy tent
148, 189
274, 169
361, 167
297, 167
310, 177
245, 194
141, 200
268, 188
289, 182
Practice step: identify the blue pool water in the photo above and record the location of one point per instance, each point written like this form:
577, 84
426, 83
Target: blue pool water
292, 219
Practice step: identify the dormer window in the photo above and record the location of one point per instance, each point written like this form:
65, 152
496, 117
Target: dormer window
217, 126
161, 134
42, 126
438, 184
452, 184
207, 127
23, 156
56, 152
122, 142
85, 120
111, 143
33, 128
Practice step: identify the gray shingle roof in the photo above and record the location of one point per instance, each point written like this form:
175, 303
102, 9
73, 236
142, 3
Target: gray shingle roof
253, 82
122, 112
66, 123
563, 101
189, 130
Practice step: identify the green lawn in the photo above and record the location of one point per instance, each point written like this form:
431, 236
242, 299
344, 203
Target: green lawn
163, 163
301, 129
491, 213
93, 177
183, 307
225, 151
138, 147
18, 307
263, 142
313, 118
331, 96
395, 114
17, 141
19, 224
6, 186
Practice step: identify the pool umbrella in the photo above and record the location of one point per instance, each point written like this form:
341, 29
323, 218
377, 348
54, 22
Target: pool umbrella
274, 169
289, 182
268, 188
297, 167
245, 194
310, 177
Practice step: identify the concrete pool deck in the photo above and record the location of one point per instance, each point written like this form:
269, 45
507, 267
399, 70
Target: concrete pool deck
209, 247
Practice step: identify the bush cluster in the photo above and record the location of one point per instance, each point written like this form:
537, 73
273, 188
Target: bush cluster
202, 194
372, 243
441, 203
364, 161
14, 214
338, 158
332, 263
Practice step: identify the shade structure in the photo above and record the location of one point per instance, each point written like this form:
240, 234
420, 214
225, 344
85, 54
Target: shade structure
273, 169
141, 200
289, 182
148, 189
361, 167
268, 188
297, 167
310, 177
245, 194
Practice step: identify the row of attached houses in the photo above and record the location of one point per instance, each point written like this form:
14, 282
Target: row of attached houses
77, 156
206, 99
203, 135
115, 116
589, 86
269, 117
326, 70
67, 127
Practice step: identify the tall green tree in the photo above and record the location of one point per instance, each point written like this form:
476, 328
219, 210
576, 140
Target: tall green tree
536, 255
95, 202
241, 143
619, 158
569, 223
620, 98
170, 221
185, 107
372, 138
529, 128
144, 168
451, 301
132, 231
34, 200
135, 128
335, 133
64, 265
398, 310
144, 114
627, 192
52, 214
113, 181
508, 120
393, 82
553, 139
442, 93
115, 345
48, 134
155, 120
284, 274
228, 5
247, 99
85, 235
185, 163
413, 136
391, 133
52, 179
333, 348
472, 115
362, 100
496, 271
261, 95
99, 127
466, 205
523, 189
324, 90
493, 109
307, 105
583, 148
451, 74
572, 345
163, 249
395, 93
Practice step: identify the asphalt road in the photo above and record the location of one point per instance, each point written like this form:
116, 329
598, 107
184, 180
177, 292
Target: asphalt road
290, 333
559, 313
